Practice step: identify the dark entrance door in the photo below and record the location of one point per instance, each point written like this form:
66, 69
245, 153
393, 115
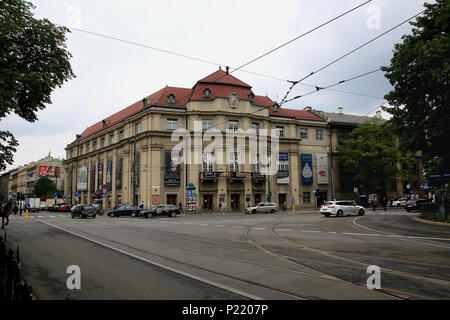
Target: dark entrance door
172, 199
208, 201
257, 198
235, 201
321, 198
281, 199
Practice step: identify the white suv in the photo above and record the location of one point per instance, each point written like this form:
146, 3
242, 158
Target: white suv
399, 203
340, 208
262, 207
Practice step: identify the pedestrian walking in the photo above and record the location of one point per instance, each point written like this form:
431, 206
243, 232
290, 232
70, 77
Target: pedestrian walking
284, 206
141, 207
180, 206
15, 209
374, 204
385, 203
5, 213
115, 206
20, 209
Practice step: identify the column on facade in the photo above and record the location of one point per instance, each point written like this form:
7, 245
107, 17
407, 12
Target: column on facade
294, 174
155, 174
127, 165
143, 180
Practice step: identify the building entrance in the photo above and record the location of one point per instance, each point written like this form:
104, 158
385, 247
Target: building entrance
208, 201
172, 199
235, 201
281, 199
258, 198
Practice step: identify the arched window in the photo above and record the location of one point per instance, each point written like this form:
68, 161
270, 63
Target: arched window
206, 93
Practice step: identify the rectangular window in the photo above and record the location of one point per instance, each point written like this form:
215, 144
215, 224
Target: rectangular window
255, 126
256, 165
137, 128
207, 124
233, 125
87, 147
280, 131
80, 150
94, 145
234, 162
283, 162
304, 133
172, 124
319, 134
102, 143
306, 197
111, 139
121, 136
208, 162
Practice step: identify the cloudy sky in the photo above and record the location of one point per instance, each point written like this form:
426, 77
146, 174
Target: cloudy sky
110, 75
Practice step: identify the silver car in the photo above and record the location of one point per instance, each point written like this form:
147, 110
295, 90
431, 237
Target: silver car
263, 207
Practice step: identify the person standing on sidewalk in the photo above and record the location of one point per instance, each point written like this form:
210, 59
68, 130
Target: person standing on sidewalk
5, 213
385, 203
374, 204
284, 206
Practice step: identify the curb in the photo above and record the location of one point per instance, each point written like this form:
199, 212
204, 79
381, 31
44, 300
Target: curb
436, 223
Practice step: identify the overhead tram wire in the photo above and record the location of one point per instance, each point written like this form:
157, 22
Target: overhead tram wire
215, 63
333, 85
294, 83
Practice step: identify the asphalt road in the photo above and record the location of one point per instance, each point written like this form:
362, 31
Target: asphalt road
234, 256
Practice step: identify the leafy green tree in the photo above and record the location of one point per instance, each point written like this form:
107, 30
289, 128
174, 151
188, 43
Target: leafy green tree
44, 187
373, 154
33, 62
419, 72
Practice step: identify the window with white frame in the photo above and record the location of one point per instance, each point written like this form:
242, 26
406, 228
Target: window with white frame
208, 162
172, 124
137, 128
233, 125
304, 133
280, 131
234, 162
283, 161
94, 145
111, 138
88, 147
256, 165
102, 143
121, 136
256, 126
207, 124
319, 134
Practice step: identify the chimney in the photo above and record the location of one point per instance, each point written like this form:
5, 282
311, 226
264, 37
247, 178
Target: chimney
340, 110
227, 68
378, 115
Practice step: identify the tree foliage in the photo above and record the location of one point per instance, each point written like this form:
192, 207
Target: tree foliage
419, 72
33, 62
44, 187
373, 154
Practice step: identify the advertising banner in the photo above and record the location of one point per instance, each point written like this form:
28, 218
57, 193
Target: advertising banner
283, 168
322, 168
109, 175
119, 173
82, 178
307, 168
100, 175
172, 170
45, 171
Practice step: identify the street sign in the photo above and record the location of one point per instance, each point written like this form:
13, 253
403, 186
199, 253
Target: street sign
314, 190
426, 186
26, 196
27, 206
64, 197
293, 201
104, 195
77, 194
56, 194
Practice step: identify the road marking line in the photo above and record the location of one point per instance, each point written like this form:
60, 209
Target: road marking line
51, 216
332, 232
238, 227
187, 223
259, 229
310, 231
284, 229
202, 224
212, 283
40, 216
218, 225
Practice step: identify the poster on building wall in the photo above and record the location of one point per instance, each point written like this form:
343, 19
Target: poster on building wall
307, 168
109, 175
322, 168
119, 173
283, 168
172, 170
100, 176
45, 171
82, 178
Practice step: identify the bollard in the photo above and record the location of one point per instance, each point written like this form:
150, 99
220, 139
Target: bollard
26, 214
293, 208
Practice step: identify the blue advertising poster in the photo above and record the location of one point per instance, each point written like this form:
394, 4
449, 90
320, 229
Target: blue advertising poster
109, 175
307, 168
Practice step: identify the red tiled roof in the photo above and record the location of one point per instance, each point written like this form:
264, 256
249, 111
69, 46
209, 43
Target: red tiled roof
159, 98
222, 77
221, 85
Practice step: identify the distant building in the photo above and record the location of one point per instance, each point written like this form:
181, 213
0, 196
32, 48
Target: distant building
341, 126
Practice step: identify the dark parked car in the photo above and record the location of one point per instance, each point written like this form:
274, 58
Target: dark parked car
53, 207
162, 210
98, 208
415, 204
125, 211
83, 211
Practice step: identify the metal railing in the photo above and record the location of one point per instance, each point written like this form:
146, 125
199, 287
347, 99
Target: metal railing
12, 285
